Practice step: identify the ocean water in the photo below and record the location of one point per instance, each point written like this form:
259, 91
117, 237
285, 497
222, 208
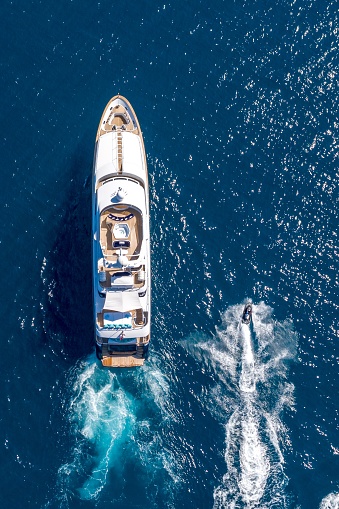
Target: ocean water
238, 102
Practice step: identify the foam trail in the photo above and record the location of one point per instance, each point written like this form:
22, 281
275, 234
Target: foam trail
112, 417
154, 453
106, 429
247, 377
273, 427
254, 459
102, 417
331, 501
254, 462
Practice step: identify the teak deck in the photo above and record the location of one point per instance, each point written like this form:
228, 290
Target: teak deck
118, 118
107, 231
127, 361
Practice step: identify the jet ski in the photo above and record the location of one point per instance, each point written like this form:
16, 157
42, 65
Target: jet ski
247, 314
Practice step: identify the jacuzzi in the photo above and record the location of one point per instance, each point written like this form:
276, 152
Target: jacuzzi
121, 231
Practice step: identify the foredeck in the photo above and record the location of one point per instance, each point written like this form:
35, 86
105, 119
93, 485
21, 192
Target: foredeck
118, 118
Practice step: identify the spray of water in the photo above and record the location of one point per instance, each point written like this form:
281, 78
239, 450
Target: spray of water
101, 415
118, 421
255, 434
330, 502
247, 377
250, 365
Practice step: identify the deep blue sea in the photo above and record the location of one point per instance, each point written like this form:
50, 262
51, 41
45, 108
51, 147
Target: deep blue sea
238, 103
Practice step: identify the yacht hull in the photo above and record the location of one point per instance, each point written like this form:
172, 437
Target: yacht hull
121, 239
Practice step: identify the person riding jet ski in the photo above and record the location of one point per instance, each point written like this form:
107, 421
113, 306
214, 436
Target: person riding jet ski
247, 314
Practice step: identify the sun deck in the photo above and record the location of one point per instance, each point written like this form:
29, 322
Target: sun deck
132, 320
120, 232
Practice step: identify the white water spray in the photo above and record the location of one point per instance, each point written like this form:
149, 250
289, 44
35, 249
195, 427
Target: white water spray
111, 416
256, 393
101, 414
254, 461
247, 377
330, 502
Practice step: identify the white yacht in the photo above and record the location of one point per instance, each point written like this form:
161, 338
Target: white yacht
121, 239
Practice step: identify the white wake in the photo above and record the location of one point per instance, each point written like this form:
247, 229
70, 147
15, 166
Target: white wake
247, 377
255, 434
101, 414
111, 419
249, 367
330, 502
